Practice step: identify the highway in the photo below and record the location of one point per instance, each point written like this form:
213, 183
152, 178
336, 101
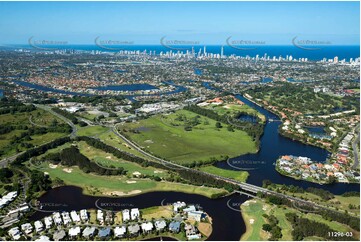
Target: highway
72, 125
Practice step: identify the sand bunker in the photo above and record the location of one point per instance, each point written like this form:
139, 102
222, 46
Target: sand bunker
68, 170
131, 182
52, 166
251, 221
120, 194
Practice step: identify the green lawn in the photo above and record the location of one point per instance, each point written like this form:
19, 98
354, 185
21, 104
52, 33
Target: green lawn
119, 185
19, 120
166, 137
253, 211
236, 175
91, 130
234, 108
107, 160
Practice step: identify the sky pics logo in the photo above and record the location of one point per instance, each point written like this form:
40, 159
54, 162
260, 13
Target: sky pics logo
42, 44
241, 44
177, 44
112, 45
311, 45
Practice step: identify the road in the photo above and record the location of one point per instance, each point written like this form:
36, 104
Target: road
244, 186
355, 148
72, 125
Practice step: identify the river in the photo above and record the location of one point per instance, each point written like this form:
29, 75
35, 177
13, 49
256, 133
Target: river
261, 165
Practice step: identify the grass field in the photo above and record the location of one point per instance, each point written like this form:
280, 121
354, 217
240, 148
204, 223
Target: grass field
236, 175
157, 212
166, 137
91, 130
119, 185
253, 210
107, 160
39, 117
111, 139
234, 108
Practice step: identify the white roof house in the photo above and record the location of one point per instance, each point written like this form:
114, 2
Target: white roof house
147, 227
15, 233
100, 216
189, 209
27, 228
74, 231
38, 226
178, 205
120, 231
196, 215
43, 238
84, 215
48, 222
125, 215
74, 216
57, 218
66, 218
160, 224
134, 213
89, 232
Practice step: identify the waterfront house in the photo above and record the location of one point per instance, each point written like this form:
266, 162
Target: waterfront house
125, 215
189, 209
88, 232
147, 227
73, 232
120, 232
134, 229
109, 217
38, 226
160, 224
27, 228
66, 218
103, 233
134, 213
100, 216
59, 235
48, 222
15, 233
75, 217
84, 215
192, 232
196, 215
174, 226
57, 218
178, 205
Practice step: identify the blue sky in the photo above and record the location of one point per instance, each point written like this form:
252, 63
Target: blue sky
203, 22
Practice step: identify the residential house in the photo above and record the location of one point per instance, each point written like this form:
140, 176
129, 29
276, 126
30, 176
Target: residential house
88, 232
125, 215
134, 229
75, 217
59, 235
174, 226
15, 233
27, 228
120, 232
38, 226
147, 227
134, 213
48, 222
160, 224
103, 233
100, 216
84, 215
74, 232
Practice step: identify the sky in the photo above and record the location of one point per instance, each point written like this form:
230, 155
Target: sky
273, 23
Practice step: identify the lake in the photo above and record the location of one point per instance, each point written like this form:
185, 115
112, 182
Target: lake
228, 224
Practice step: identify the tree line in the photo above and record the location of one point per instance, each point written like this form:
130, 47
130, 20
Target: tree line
303, 227
72, 157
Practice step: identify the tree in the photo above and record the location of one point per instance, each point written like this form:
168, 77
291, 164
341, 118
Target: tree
218, 125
